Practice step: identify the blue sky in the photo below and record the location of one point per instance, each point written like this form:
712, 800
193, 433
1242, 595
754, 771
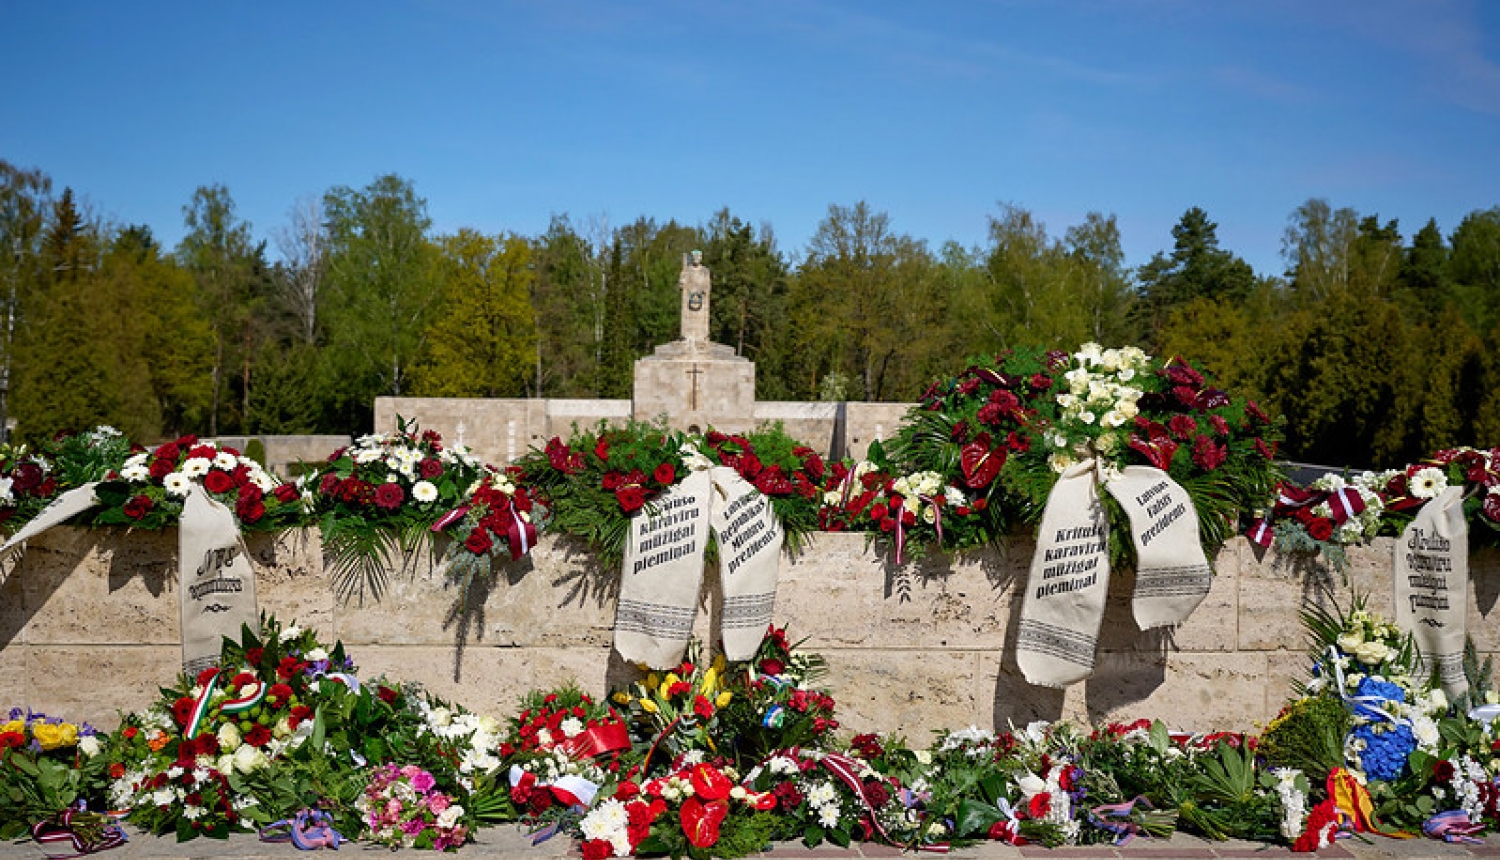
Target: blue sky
504, 113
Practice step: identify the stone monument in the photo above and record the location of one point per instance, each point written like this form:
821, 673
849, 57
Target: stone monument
692, 381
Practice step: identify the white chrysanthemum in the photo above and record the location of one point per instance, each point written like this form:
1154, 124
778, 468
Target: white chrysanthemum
828, 815
136, 472
571, 726
196, 467
290, 633
822, 794
1427, 483
424, 491
177, 483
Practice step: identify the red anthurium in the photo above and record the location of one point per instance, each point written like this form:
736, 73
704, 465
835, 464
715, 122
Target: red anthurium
979, 463
700, 821
710, 783
1159, 451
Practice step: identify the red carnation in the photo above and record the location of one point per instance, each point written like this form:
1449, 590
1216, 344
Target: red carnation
597, 849
138, 507
388, 496
601, 449
258, 736
328, 484
1182, 426
253, 656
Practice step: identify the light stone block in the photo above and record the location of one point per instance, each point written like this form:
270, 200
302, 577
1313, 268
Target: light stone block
912, 692
489, 680
87, 587
85, 682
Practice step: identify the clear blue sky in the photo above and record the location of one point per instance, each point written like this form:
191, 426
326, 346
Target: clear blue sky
503, 113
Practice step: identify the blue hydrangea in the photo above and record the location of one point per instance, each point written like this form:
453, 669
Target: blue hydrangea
1374, 693
1385, 752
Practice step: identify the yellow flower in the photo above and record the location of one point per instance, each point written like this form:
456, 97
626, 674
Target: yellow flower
653, 681
649, 706
724, 699
719, 664
710, 681
52, 737
671, 679
17, 726
621, 698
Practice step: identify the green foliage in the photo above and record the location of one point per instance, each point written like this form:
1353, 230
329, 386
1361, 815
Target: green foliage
1308, 735
483, 341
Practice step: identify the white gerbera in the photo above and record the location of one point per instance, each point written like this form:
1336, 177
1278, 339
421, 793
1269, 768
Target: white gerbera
196, 467
424, 491
177, 483
1427, 483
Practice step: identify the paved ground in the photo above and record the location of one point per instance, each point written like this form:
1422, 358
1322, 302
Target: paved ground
509, 843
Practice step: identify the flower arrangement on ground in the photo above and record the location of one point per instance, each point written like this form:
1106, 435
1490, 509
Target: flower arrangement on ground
402, 808
47, 764
376, 500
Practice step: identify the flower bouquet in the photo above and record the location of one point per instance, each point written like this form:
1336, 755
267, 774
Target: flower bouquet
1331, 513
697, 810
46, 765
27, 485
496, 517
559, 750
595, 482
402, 808
377, 500
1122, 407
151, 487
790, 474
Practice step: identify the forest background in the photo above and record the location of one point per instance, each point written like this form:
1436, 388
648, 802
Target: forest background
1377, 347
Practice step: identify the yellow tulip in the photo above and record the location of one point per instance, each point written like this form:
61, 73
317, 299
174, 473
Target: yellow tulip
724, 699
670, 679
649, 706
653, 681
710, 681
621, 698
719, 664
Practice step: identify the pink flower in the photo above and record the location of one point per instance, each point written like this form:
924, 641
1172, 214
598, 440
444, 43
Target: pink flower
437, 802
422, 781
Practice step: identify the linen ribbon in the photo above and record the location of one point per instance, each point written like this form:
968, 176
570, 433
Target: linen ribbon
58, 834
309, 830
1453, 826
847, 770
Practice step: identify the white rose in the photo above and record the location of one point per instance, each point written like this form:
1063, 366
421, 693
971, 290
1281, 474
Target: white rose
89, 745
248, 759
1372, 653
1031, 784
1349, 641
229, 737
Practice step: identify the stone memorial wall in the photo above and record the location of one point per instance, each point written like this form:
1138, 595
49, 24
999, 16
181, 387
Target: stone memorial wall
89, 627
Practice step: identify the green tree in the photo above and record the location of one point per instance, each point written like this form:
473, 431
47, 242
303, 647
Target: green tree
228, 268
1425, 283
24, 202
483, 343
1474, 267
1197, 268
568, 303
62, 371
382, 290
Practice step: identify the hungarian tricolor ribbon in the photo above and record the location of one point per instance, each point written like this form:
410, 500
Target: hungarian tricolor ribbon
200, 706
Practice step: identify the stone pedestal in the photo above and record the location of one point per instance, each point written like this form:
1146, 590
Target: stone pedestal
696, 385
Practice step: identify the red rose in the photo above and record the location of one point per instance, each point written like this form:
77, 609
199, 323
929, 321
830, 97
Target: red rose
478, 542
1320, 528
611, 481
11, 740
138, 507
631, 498
217, 482
665, 474
286, 492
160, 467
388, 496
772, 667
388, 695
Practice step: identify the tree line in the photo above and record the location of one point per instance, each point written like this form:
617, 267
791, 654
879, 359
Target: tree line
1377, 347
